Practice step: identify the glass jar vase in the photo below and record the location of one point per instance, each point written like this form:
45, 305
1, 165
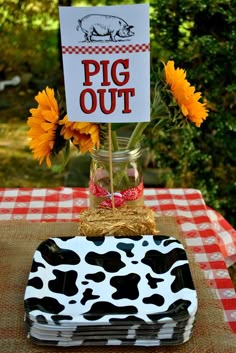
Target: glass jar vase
127, 177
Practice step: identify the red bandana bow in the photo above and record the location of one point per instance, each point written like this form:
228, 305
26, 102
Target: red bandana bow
120, 197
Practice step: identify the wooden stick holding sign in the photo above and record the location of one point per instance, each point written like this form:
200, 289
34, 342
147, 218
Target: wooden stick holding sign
111, 166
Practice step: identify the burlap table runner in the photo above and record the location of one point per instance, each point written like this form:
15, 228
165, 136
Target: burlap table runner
18, 241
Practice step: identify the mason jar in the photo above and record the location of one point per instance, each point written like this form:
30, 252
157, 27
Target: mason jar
127, 178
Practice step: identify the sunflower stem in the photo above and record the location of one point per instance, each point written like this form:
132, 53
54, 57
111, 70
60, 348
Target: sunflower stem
114, 141
66, 154
137, 134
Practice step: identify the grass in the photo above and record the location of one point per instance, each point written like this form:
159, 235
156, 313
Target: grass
17, 167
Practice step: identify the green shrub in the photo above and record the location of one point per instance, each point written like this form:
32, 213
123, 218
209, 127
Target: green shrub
201, 38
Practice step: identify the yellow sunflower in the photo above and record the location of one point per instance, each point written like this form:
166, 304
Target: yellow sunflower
185, 94
43, 124
82, 134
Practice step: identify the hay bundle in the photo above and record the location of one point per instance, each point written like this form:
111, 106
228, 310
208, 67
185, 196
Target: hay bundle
123, 221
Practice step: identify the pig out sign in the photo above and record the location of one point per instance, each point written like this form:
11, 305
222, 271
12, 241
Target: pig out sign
105, 54
117, 77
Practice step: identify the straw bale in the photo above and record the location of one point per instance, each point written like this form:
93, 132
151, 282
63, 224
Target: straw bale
125, 221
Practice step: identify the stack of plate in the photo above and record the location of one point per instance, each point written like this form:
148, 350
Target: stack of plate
110, 291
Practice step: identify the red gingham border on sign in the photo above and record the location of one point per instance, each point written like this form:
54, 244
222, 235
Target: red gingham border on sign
106, 49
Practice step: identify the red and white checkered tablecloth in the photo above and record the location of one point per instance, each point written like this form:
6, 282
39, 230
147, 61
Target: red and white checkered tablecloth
207, 233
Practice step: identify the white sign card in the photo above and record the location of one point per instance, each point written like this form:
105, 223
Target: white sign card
106, 62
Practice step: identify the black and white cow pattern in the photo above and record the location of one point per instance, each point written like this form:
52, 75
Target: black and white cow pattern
110, 291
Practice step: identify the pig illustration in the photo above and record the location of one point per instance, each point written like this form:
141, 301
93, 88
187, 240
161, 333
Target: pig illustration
104, 25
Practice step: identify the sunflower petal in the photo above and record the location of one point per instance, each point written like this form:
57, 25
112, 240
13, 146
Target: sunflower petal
43, 123
184, 94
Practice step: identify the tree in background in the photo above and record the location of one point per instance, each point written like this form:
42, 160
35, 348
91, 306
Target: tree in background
27, 44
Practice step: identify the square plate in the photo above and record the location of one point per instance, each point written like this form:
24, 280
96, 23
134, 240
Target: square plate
110, 280
85, 331
106, 341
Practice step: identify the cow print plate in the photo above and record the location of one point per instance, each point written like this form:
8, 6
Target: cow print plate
109, 286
